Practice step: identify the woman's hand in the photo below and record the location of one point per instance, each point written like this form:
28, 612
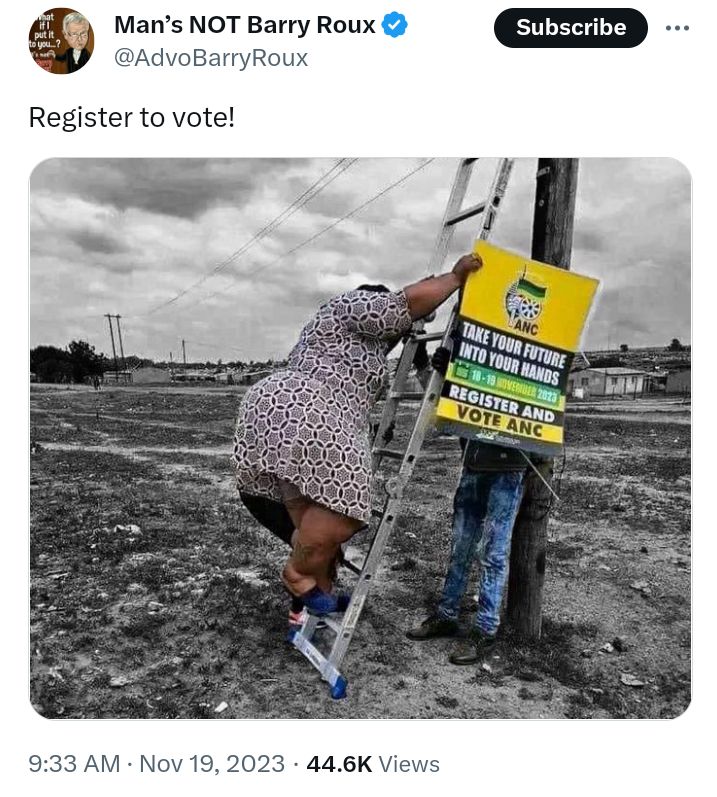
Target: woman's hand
465, 266
425, 296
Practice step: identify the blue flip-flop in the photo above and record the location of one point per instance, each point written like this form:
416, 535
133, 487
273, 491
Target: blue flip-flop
319, 602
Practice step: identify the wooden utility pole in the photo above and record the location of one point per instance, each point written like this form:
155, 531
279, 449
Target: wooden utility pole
119, 335
553, 217
184, 354
112, 338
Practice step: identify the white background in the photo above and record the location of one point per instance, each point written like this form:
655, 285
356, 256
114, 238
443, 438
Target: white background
447, 88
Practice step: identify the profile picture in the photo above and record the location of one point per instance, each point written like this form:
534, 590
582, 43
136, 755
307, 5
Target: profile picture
61, 41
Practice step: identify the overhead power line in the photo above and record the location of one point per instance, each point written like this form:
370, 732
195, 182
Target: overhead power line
320, 233
313, 190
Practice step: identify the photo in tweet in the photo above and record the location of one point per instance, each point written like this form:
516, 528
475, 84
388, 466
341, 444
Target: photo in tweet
243, 504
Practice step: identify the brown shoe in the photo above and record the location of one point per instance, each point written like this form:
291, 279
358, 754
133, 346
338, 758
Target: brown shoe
433, 627
474, 649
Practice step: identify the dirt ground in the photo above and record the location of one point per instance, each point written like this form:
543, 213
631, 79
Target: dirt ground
154, 594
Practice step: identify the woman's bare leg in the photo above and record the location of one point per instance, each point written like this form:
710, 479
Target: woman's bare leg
296, 507
320, 534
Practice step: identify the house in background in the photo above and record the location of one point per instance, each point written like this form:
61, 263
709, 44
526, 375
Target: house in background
656, 380
117, 377
614, 381
226, 377
250, 377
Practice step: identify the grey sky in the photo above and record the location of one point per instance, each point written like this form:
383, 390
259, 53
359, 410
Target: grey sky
126, 236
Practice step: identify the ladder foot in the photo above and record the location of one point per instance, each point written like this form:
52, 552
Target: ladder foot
338, 690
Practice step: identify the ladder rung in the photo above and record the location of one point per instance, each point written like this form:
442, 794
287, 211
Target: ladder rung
351, 566
333, 624
466, 214
429, 336
389, 453
408, 395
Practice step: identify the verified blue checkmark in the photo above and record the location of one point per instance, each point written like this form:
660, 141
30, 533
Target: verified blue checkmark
394, 24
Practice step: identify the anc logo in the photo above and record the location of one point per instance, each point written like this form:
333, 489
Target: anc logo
524, 304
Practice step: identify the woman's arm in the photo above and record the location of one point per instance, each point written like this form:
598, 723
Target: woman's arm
425, 296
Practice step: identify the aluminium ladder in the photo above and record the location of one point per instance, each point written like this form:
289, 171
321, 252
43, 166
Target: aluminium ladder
343, 627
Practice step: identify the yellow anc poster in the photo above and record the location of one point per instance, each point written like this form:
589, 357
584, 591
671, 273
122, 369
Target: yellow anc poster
518, 328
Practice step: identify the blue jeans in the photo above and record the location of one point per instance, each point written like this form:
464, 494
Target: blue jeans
484, 509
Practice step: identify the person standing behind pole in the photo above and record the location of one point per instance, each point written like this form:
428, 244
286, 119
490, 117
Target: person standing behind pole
484, 509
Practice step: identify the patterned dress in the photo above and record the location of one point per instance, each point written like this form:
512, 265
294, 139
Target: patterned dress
307, 425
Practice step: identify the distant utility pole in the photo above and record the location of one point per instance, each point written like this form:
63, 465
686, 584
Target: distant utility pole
112, 338
119, 334
184, 354
554, 214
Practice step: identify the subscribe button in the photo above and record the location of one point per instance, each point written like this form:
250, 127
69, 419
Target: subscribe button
570, 27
